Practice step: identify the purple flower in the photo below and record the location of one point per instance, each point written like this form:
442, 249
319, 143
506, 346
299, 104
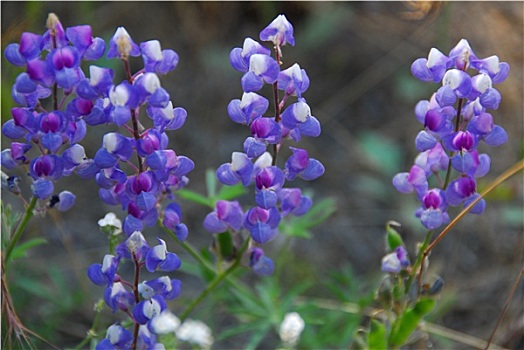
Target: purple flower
292, 201
239, 57
415, 180
280, 32
461, 56
262, 69
432, 68
48, 166
122, 46
159, 259
158, 60
395, 261
433, 211
104, 274
459, 81
147, 309
135, 247
298, 115
167, 288
260, 263
268, 183
266, 130
294, 81
240, 169
117, 337
299, 164
63, 201
115, 147
118, 297
262, 223
123, 97
172, 218
249, 108
97, 85
228, 215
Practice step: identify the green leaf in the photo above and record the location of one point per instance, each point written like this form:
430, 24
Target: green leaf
407, 322
298, 226
21, 250
241, 328
381, 152
211, 183
225, 243
231, 192
377, 335
257, 337
393, 238
196, 198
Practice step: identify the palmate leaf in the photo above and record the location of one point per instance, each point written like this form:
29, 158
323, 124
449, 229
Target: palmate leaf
298, 226
20, 251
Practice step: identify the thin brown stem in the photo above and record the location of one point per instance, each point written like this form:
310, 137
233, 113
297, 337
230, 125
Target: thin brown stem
137, 299
277, 105
506, 304
515, 168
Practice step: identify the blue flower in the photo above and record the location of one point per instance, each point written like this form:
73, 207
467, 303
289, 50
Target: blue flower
395, 261
240, 169
228, 215
260, 263
104, 274
279, 31
262, 223
117, 337
159, 259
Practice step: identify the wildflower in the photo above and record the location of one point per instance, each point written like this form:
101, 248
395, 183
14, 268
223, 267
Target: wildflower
262, 223
260, 263
165, 322
228, 215
111, 222
117, 337
279, 31
159, 259
122, 46
195, 332
291, 328
395, 261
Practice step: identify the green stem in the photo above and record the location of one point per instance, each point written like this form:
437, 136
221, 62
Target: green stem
418, 262
215, 282
188, 248
19, 230
92, 331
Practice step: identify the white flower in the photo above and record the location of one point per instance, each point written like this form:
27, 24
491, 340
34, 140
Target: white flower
112, 221
291, 328
196, 332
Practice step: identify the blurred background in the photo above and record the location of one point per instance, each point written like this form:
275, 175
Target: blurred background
358, 57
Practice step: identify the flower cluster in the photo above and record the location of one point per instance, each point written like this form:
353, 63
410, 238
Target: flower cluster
52, 62
134, 167
451, 134
258, 162
145, 303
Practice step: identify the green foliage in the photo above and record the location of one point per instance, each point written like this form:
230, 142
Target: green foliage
20, 251
407, 322
9, 221
384, 155
377, 338
215, 192
299, 226
393, 238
